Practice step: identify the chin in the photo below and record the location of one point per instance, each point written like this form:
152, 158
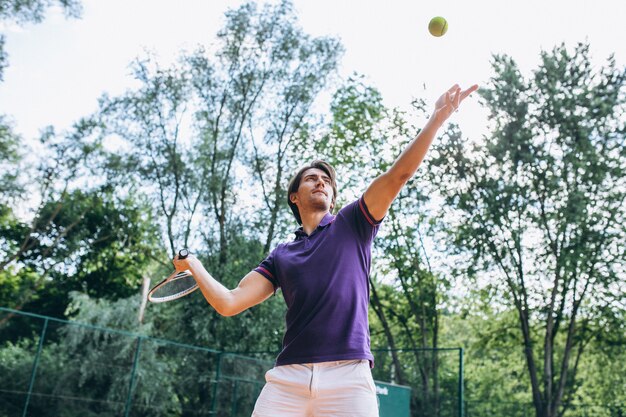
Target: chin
320, 205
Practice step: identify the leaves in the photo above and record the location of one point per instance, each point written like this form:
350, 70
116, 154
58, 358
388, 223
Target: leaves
539, 205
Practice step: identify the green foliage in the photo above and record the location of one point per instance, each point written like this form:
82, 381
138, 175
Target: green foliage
86, 369
11, 230
192, 127
72, 232
10, 157
92, 242
496, 375
597, 386
104, 242
540, 206
17, 285
496, 379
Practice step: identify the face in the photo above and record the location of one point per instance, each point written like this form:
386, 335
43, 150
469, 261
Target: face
315, 192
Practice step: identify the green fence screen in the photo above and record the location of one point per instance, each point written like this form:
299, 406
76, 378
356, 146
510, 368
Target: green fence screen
393, 400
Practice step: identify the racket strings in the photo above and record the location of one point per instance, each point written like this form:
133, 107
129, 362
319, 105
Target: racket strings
179, 285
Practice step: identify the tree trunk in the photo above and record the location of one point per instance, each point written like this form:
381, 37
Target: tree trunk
378, 309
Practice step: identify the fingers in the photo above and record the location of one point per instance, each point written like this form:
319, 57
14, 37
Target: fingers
469, 91
453, 88
181, 263
177, 258
457, 98
459, 95
450, 101
453, 97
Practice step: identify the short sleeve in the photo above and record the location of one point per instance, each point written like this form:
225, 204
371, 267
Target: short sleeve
268, 270
361, 220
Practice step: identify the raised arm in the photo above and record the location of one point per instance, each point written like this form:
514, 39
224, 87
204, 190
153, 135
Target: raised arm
384, 189
253, 289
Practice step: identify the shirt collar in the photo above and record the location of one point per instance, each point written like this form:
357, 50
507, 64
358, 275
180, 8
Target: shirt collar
326, 220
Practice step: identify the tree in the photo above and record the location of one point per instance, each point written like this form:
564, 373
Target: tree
77, 234
193, 127
149, 121
540, 207
94, 243
60, 163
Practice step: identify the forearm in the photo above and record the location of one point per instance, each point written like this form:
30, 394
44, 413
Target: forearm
410, 159
216, 294
384, 189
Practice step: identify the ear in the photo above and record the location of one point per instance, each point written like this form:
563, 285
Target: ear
293, 197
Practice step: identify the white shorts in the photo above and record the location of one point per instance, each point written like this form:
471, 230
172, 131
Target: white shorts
341, 388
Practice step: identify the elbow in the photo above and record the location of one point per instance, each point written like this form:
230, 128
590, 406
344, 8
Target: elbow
222, 302
227, 310
223, 305
396, 179
228, 313
399, 179
229, 303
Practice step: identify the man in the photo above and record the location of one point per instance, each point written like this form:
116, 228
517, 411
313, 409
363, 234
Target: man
324, 366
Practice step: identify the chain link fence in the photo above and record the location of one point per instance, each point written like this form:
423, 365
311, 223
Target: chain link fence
57, 368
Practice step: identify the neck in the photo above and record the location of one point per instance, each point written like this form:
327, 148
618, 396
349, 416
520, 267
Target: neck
310, 220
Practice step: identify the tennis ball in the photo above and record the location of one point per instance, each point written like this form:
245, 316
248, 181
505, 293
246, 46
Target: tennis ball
438, 26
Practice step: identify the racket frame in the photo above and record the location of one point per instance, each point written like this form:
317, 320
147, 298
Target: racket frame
176, 275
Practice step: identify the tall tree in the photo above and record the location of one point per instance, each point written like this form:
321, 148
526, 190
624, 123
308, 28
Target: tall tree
247, 103
66, 230
540, 206
46, 178
255, 98
155, 150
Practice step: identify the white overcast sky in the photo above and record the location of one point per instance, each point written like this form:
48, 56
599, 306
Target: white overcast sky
60, 67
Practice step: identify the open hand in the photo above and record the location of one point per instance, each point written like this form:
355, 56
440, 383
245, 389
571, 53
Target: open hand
450, 102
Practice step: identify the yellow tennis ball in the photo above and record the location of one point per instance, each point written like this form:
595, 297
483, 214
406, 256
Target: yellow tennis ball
438, 26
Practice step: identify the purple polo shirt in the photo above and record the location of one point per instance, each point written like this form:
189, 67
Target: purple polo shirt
324, 281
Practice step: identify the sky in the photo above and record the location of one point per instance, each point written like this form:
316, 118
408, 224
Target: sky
60, 67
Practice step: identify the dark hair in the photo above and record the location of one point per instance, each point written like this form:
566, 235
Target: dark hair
294, 184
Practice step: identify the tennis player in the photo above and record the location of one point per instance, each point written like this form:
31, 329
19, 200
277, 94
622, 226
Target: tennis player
324, 368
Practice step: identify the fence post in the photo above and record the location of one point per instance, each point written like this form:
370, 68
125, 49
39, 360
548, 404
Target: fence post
216, 383
461, 393
233, 410
129, 399
35, 365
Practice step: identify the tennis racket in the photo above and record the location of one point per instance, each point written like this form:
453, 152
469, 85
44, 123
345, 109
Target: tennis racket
177, 285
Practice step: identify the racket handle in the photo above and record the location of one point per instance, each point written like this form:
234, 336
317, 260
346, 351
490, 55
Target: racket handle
183, 253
